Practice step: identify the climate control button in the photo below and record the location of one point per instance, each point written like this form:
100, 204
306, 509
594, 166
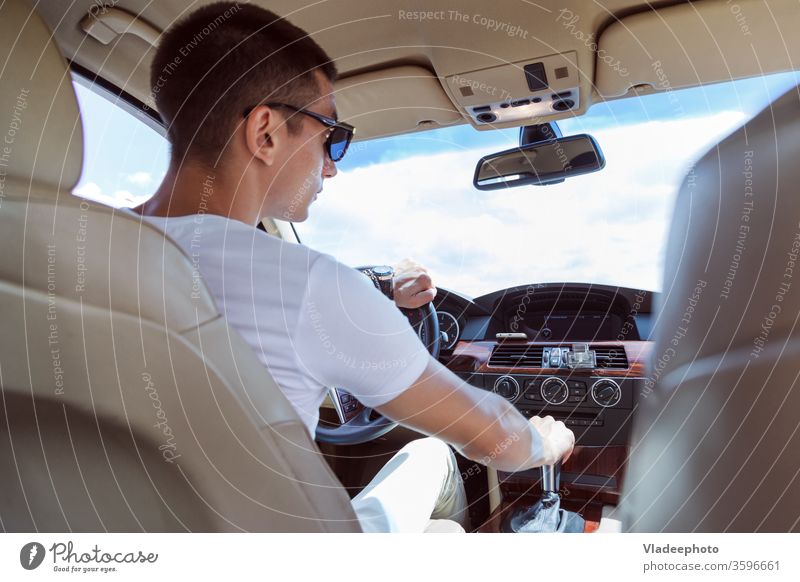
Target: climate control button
507, 387
606, 393
554, 390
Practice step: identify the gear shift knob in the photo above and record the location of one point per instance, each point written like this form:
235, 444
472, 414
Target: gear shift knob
551, 477
546, 516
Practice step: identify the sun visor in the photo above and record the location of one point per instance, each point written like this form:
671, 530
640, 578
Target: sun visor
698, 43
393, 101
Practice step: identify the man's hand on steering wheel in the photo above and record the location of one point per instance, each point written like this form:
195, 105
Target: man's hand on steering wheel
413, 286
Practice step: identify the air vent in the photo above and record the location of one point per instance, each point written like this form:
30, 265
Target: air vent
611, 357
517, 355
513, 355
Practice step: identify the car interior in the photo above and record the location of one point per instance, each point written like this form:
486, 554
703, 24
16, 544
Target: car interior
683, 399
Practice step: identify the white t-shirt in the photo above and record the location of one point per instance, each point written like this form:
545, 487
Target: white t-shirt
313, 322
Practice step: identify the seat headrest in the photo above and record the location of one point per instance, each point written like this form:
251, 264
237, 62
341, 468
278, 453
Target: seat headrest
734, 247
41, 139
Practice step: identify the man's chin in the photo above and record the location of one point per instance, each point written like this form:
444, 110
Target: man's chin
297, 215
291, 213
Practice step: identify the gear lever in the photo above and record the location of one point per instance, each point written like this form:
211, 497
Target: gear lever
551, 478
546, 515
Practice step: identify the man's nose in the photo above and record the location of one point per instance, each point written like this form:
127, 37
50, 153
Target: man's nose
329, 168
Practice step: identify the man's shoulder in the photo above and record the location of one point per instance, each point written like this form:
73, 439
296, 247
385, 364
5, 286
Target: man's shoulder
232, 237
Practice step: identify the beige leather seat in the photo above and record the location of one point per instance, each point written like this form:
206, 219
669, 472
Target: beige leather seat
716, 440
127, 403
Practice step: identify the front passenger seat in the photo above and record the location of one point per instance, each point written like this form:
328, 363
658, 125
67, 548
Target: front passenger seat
716, 439
127, 403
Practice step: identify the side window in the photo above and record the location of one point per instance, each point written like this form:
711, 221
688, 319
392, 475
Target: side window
124, 160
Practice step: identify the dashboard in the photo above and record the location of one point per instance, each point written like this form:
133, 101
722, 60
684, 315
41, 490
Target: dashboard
575, 351
555, 312
569, 325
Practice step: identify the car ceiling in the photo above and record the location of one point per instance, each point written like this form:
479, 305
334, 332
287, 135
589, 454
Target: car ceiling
373, 40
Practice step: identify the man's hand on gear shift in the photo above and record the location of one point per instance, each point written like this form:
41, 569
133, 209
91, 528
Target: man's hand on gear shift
557, 440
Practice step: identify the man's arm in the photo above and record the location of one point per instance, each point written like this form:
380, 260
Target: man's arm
483, 426
348, 334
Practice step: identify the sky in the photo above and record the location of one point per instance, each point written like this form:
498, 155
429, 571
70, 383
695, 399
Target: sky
124, 160
412, 196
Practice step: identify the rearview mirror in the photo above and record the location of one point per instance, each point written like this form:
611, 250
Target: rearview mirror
540, 163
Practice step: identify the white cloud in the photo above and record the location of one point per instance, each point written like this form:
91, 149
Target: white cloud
119, 199
140, 178
609, 227
88, 190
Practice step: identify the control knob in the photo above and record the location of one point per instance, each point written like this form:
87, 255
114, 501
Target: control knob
507, 387
606, 392
554, 390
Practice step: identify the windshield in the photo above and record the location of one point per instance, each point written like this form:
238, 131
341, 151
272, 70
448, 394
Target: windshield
412, 196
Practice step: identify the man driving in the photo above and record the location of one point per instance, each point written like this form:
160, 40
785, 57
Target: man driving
247, 99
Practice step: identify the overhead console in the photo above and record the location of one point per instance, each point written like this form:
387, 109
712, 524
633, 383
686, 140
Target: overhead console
520, 93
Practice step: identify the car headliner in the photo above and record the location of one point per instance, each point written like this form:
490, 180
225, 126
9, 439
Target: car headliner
663, 45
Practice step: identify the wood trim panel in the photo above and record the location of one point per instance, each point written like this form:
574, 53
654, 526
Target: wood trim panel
473, 357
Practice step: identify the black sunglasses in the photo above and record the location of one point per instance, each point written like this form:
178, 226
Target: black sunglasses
339, 138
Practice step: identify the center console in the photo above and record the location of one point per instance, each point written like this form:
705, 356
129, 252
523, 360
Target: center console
597, 409
595, 398
596, 401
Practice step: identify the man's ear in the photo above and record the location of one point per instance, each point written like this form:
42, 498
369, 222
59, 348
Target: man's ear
264, 133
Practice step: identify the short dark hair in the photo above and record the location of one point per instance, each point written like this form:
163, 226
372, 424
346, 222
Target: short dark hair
222, 58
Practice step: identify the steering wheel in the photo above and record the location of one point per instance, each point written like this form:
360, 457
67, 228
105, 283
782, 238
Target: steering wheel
360, 424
